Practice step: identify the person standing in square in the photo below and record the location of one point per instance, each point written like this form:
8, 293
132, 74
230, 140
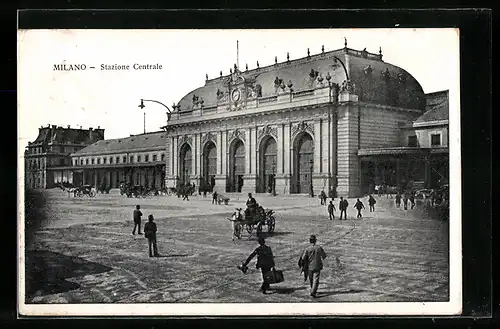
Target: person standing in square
331, 209
343, 204
371, 202
150, 233
137, 219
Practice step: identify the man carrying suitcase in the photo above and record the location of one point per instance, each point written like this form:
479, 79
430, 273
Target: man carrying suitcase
265, 261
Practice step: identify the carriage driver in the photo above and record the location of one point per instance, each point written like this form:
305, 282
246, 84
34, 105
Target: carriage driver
251, 205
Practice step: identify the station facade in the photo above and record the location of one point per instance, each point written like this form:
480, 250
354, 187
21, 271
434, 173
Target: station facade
314, 123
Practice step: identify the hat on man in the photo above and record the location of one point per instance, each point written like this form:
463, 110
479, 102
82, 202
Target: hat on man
312, 238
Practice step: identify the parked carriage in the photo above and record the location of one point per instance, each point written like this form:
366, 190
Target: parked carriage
253, 221
85, 190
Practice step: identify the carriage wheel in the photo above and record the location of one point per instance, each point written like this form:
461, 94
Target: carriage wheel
91, 194
79, 194
271, 225
249, 228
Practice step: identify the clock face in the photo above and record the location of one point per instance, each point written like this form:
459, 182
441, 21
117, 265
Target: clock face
236, 95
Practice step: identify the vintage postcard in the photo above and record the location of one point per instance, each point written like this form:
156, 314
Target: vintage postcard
239, 172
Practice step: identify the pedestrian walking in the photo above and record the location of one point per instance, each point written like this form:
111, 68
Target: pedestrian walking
185, 194
412, 200
331, 208
137, 219
398, 200
343, 204
359, 205
371, 202
150, 233
405, 201
265, 262
214, 197
311, 262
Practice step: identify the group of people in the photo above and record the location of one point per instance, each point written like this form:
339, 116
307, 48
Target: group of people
149, 230
310, 263
408, 196
344, 204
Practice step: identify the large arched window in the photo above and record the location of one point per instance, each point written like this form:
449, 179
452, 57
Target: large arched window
185, 168
304, 156
267, 170
209, 163
237, 165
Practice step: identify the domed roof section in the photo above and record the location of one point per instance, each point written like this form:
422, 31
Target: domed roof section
375, 80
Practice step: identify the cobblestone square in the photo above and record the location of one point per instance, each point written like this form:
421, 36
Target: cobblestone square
86, 252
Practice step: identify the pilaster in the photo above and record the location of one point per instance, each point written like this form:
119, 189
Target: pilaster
317, 147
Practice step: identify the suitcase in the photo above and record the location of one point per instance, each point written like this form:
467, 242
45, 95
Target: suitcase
274, 276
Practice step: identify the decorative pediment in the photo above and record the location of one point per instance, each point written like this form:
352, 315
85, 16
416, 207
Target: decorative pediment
184, 139
268, 130
208, 137
302, 126
237, 134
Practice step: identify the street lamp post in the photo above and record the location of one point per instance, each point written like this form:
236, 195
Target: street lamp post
311, 191
141, 106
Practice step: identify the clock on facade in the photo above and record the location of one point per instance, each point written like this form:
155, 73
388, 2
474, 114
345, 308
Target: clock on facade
236, 95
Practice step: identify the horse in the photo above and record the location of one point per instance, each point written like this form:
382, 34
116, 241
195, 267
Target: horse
236, 219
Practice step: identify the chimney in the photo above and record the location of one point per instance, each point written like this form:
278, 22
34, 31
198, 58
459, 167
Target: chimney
69, 126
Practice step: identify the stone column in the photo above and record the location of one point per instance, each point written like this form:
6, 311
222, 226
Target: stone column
220, 178
250, 177
347, 143
318, 178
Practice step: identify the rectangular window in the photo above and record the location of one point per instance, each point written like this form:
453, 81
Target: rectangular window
412, 141
131, 159
154, 157
146, 158
124, 159
117, 159
98, 160
104, 160
435, 139
163, 157
110, 159
138, 158
93, 160
86, 161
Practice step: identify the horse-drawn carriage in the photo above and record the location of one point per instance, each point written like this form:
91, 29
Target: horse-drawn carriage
253, 220
84, 190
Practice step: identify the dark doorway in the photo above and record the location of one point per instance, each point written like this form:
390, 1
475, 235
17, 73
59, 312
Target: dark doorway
237, 165
185, 168
267, 169
303, 163
209, 163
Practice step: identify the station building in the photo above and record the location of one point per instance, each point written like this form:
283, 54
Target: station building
341, 120
47, 159
137, 160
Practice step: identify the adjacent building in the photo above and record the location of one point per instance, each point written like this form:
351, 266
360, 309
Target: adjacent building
137, 159
337, 120
47, 158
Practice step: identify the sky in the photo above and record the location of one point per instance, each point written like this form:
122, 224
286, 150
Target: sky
110, 99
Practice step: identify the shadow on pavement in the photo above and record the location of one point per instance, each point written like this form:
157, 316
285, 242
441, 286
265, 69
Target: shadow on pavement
46, 272
173, 255
285, 290
337, 292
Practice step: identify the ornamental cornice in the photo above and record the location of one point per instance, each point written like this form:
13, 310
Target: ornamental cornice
302, 126
184, 139
267, 130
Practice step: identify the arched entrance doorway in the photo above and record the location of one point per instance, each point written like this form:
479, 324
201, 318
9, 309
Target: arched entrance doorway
237, 165
185, 164
304, 157
267, 168
209, 165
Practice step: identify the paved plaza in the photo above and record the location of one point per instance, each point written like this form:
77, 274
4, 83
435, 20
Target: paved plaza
86, 252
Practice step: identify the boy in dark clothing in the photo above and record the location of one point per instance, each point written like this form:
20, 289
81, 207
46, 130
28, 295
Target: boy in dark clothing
265, 261
331, 208
214, 197
137, 219
343, 204
371, 202
150, 234
359, 205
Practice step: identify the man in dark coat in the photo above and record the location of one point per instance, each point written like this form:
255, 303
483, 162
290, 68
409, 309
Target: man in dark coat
331, 208
150, 233
265, 261
137, 219
214, 197
343, 204
371, 202
359, 205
